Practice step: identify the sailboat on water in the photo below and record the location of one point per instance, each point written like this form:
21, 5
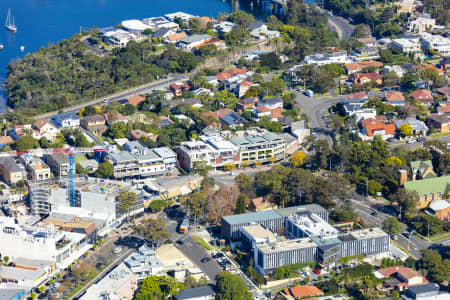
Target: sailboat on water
10, 22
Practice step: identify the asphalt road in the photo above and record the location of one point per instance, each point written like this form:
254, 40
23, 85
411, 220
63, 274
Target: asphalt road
315, 108
143, 89
341, 26
196, 253
364, 209
397, 144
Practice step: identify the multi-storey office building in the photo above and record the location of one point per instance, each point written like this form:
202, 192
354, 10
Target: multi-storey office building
325, 251
308, 237
140, 161
270, 219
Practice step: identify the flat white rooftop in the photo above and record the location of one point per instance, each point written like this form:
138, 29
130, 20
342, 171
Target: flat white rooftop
368, 233
313, 225
287, 245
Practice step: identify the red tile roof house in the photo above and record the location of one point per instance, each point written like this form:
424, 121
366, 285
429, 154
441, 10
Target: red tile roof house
423, 96
394, 98
402, 277
231, 73
363, 78
179, 88
246, 103
300, 292
372, 129
135, 100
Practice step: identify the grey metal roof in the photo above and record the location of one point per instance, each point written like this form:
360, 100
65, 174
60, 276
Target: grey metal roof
252, 217
195, 38
60, 158
239, 141
10, 164
270, 136
423, 288
232, 118
161, 32
121, 156
195, 293
164, 152
289, 211
11, 293
20, 274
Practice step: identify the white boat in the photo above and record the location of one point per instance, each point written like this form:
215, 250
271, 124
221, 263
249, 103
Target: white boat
22, 48
1, 46
10, 22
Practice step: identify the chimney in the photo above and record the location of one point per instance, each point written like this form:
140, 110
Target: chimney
402, 177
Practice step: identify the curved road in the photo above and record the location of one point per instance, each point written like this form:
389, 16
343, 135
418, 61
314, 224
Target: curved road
341, 26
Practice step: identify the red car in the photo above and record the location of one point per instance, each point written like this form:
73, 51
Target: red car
316, 271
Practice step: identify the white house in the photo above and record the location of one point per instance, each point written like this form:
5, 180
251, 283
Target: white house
66, 120
260, 31
46, 129
436, 43
190, 42
321, 59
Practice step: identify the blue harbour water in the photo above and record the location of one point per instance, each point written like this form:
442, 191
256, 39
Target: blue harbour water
45, 22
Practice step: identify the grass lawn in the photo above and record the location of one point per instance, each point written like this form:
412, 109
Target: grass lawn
202, 243
440, 134
440, 236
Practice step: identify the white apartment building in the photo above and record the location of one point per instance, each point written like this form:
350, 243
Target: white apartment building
406, 45
436, 43
41, 243
421, 24
321, 59
37, 169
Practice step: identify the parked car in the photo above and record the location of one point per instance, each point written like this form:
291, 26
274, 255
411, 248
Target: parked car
410, 141
421, 139
394, 237
205, 259
309, 93
117, 250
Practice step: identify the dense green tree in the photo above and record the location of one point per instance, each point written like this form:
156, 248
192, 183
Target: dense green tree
195, 26
237, 36
153, 229
26, 142
117, 131
81, 140
158, 287
231, 286
392, 226
105, 170
125, 200
241, 18
157, 205
241, 206
270, 60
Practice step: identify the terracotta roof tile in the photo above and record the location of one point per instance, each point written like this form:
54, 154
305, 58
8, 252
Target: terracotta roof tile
303, 291
422, 95
394, 96
135, 100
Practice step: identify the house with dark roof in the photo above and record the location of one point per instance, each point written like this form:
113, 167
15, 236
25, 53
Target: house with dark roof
423, 291
94, 123
200, 293
163, 33
66, 120
439, 121
232, 119
10, 171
